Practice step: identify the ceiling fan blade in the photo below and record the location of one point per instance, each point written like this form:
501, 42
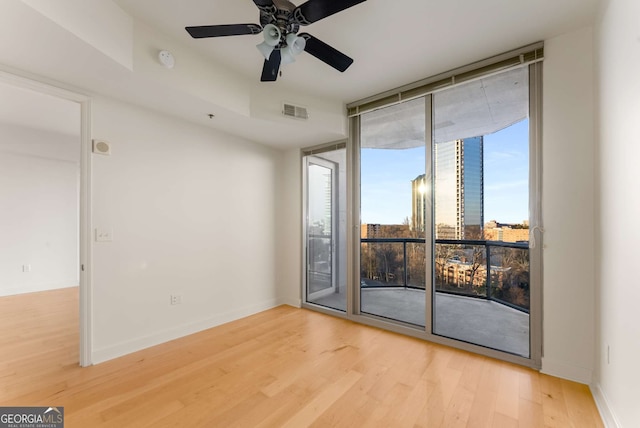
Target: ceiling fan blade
315, 10
326, 53
271, 67
223, 30
264, 3
266, 6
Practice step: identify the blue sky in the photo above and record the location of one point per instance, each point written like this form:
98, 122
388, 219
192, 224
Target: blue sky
386, 179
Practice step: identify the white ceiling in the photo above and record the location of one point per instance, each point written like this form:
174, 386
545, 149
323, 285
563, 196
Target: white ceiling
392, 43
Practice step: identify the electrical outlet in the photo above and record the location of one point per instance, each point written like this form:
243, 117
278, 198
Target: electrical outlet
26, 268
104, 235
176, 299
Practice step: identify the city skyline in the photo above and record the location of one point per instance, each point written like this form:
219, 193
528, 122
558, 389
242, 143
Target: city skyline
387, 176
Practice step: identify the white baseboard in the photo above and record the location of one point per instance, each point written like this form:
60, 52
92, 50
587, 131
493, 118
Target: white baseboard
566, 371
608, 418
130, 346
24, 289
296, 303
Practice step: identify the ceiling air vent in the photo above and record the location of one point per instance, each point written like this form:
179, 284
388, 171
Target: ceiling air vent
296, 112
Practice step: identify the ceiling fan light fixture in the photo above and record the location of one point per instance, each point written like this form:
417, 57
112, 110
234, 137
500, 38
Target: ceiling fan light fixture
287, 56
265, 49
295, 44
271, 35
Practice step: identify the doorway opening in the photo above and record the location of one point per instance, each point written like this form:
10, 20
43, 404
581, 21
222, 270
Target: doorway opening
44, 189
325, 228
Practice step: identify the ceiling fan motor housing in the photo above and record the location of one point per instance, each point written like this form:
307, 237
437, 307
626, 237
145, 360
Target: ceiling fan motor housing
280, 15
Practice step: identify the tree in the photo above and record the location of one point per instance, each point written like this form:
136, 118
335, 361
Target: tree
443, 253
514, 286
478, 259
368, 260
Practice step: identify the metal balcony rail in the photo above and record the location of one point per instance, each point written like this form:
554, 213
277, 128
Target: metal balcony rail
485, 260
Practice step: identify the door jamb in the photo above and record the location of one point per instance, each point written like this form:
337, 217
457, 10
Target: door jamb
55, 89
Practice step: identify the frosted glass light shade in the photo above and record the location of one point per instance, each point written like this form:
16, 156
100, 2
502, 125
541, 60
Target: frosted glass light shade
295, 44
271, 35
287, 56
265, 49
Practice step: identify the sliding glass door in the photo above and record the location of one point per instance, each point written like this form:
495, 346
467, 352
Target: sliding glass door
481, 212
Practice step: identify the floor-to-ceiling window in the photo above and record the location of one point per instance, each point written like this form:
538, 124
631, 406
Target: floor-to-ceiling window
444, 183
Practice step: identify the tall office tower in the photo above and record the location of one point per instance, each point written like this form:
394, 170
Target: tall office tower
418, 203
458, 191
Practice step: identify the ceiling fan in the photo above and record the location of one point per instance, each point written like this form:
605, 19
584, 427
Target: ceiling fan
280, 21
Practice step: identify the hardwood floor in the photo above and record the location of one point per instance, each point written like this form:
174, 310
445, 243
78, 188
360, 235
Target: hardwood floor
285, 367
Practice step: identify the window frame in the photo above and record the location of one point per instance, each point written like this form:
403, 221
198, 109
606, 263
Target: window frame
530, 56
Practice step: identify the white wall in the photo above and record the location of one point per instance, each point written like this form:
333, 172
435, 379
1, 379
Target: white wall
568, 206
617, 382
39, 178
289, 230
101, 23
192, 212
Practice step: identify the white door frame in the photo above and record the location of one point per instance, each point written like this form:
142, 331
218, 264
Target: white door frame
315, 160
36, 83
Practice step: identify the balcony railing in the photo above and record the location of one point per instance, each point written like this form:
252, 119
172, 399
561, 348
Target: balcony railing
492, 270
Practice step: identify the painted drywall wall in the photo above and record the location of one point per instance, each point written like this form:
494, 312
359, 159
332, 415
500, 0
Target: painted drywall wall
289, 227
192, 213
617, 381
325, 117
39, 179
94, 56
100, 23
568, 206
192, 74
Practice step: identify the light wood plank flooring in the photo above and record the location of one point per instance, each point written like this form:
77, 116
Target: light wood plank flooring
285, 367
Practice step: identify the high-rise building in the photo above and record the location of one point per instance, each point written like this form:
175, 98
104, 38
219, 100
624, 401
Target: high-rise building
418, 203
458, 191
